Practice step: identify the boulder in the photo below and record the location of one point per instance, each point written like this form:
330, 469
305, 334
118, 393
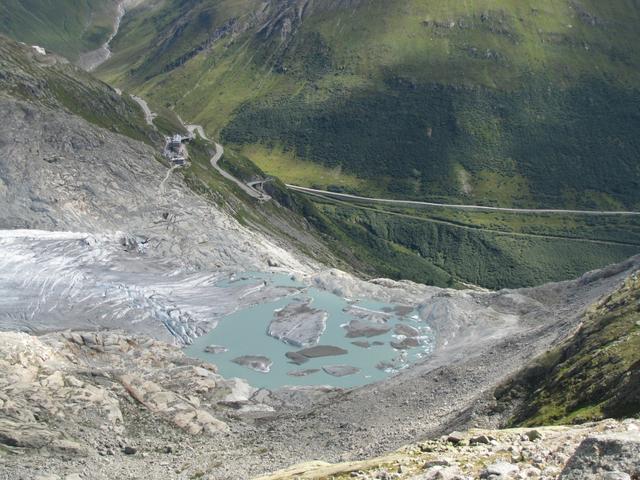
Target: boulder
258, 363
597, 455
500, 470
533, 435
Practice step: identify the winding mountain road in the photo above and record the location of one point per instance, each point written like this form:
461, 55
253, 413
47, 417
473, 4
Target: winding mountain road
246, 188
414, 203
149, 116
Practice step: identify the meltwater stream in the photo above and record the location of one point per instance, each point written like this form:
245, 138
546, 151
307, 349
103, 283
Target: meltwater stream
371, 358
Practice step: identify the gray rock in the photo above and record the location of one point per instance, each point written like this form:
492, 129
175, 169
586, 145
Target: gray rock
296, 358
500, 470
480, 439
406, 330
340, 370
405, 343
359, 328
322, 351
368, 315
298, 324
456, 438
215, 349
616, 476
129, 450
258, 363
440, 472
443, 462
601, 454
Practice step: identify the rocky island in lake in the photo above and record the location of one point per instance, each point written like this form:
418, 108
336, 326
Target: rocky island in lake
360, 328
258, 363
215, 349
340, 370
298, 324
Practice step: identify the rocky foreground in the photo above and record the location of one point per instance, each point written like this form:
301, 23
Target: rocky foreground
83, 405
607, 450
69, 400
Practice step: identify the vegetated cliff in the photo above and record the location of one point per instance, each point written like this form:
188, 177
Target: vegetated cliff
595, 374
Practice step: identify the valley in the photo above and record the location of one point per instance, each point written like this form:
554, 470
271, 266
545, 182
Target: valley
441, 133
405, 124
393, 240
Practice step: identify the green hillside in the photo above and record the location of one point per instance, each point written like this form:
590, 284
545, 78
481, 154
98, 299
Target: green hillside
67, 27
493, 102
594, 375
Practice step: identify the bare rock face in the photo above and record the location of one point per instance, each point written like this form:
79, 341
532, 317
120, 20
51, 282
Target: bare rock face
614, 456
59, 391
181, 411
298, 324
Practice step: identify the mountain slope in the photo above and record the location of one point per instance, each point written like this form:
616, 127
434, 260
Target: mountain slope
504, 103
77, 155
595, 374
68, 27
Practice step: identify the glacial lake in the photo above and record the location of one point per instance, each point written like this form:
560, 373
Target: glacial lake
244, 333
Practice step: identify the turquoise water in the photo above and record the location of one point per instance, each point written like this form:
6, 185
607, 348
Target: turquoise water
244, 333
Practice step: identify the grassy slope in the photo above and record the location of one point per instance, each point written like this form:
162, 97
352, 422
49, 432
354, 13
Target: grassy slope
535, 102
487, 249
516, 104
594, 375
68, 27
